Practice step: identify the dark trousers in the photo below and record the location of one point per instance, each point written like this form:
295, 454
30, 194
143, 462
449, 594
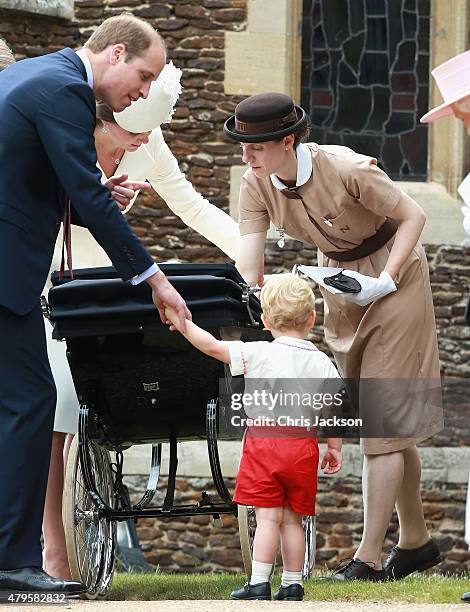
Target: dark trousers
27, 406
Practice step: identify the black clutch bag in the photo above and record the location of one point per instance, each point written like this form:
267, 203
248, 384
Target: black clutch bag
344, 283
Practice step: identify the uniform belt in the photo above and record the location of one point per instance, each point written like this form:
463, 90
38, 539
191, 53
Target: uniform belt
369, 245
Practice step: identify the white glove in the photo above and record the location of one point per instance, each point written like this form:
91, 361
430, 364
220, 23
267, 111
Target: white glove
466, 218
372, 288
464, 192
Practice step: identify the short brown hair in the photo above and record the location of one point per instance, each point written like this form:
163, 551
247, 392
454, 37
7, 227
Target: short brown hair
287, 301
104, 113
6, 56
128, 30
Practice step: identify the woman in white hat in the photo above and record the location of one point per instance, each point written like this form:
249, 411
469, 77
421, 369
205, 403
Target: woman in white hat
453, 80
127, 143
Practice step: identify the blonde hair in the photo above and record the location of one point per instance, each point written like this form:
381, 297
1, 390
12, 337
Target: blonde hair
6, 56
136, 34
287, 301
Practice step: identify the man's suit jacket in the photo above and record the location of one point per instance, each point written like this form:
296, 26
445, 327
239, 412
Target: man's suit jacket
47, 152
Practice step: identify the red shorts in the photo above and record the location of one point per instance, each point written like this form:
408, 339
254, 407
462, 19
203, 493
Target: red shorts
277, 472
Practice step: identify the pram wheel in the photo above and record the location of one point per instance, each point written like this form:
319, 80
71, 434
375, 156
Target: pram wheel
247, 528
90, 538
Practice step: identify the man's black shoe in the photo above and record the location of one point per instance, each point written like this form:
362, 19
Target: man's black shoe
35, 580
253, 591
356, 569
403, 561
293, 592
466, 597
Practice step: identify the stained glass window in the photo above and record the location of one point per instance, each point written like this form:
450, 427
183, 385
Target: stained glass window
365, 79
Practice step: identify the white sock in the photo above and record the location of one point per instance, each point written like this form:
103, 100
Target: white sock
260, 572
289, 578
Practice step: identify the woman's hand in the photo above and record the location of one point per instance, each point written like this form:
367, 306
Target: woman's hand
123, 191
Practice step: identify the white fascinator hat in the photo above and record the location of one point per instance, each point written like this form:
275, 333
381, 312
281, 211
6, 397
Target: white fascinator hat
145, 115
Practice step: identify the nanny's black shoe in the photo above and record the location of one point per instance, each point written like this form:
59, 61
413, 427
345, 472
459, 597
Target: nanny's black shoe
293, 592
404, 561
466, 597
253, 591
356, 569
35, 580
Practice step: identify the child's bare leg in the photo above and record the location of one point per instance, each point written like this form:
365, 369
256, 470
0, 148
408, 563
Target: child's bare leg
292, 547
265, 543
55, 550
266, 540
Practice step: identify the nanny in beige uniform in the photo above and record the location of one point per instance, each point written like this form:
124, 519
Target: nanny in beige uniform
340, 201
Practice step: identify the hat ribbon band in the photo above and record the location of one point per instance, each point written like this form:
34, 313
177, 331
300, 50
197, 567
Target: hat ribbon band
263, 127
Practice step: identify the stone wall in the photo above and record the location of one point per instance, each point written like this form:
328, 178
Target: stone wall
196, 545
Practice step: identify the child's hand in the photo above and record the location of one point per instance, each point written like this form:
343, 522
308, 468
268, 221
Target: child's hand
332, 461
172, 318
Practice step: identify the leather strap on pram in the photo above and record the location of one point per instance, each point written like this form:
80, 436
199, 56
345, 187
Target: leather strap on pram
67, 240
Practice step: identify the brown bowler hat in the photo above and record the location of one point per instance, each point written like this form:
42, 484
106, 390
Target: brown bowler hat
264, 117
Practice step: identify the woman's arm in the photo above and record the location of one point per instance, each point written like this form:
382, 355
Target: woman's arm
181, 197
411, 219
250, 262
374, 189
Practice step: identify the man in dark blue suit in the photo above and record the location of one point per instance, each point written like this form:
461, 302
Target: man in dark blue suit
47, 156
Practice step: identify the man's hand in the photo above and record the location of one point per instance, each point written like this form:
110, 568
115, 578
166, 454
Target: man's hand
332, 461
164, 294
123, 191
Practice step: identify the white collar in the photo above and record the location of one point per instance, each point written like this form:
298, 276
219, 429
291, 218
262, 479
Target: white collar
86, 62
295, 342
304, 168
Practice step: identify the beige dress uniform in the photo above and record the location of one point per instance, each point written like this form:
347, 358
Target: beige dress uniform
156, 163
345, 200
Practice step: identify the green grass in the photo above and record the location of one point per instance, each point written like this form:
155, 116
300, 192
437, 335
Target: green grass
420, 589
